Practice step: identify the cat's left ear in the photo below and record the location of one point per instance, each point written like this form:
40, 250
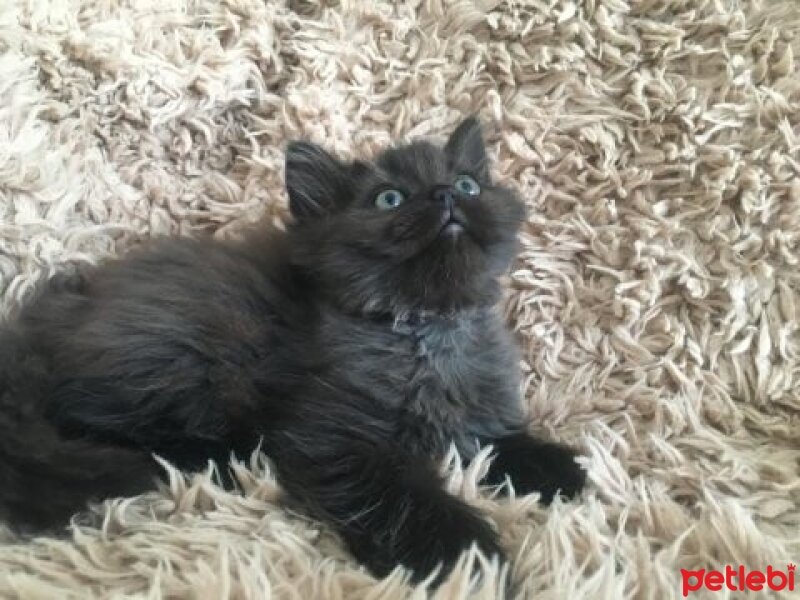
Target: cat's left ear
315, 180
467, 148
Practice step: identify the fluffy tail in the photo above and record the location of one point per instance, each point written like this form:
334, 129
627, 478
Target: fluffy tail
45, 478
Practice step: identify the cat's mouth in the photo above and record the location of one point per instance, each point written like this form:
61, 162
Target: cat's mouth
453, 223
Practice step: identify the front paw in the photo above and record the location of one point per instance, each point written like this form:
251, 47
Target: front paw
536, 466
429, 537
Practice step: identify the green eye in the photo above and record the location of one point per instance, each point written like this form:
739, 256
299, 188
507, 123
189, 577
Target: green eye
389, 199
467, 185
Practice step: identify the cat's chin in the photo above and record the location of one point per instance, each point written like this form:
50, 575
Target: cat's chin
452, 230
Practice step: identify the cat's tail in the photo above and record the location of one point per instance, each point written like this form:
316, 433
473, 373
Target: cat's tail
45, 478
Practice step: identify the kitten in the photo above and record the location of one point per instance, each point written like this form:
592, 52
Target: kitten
356, 346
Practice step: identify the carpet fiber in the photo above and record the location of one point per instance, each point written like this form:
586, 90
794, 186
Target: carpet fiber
656, 297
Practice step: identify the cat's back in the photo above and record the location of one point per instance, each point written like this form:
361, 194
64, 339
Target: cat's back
177, 340
174, 317
189, 292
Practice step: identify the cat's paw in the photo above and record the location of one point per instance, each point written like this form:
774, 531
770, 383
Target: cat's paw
431, 537
536, 466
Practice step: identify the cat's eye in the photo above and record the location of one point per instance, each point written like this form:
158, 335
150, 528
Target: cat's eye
467, 185
389, 199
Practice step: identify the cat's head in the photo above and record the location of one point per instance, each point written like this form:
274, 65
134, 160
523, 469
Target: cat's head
421, 228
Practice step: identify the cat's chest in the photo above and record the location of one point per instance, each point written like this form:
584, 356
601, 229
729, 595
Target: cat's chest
440, 381
422, 368
440, 370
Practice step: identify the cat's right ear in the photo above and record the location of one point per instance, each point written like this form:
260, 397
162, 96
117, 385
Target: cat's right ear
315, 180
466, 147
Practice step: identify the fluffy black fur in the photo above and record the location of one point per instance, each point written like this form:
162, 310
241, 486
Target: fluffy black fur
356, 345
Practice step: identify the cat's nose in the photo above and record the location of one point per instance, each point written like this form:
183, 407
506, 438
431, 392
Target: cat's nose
444, 195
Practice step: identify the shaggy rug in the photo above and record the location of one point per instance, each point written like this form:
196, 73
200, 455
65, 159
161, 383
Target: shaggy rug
656, 296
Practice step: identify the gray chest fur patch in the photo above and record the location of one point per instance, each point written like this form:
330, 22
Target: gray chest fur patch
443, 379
440, 347
440, 392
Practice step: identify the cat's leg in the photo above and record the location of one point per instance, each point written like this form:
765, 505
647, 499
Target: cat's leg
390, 507
534, 465
45, 477
530, 463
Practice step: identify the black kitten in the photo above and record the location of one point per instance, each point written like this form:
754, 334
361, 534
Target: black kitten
358, 344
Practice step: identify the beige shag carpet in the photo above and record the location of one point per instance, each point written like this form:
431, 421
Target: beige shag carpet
657, 294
